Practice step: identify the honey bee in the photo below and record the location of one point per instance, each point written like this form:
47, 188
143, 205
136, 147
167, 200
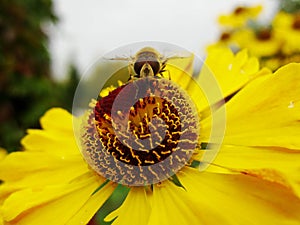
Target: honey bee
147, 62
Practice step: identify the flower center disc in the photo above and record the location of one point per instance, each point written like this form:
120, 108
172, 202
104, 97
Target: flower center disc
296, 23
142, 132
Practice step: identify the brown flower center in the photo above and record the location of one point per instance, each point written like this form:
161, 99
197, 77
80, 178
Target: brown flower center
264, 34
296, 23
142, 132
239, 10
225, 36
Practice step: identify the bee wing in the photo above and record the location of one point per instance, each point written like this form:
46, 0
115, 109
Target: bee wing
176, 55
119, 58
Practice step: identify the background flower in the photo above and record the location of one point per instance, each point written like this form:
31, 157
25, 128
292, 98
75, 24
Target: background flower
240, 16
273, 40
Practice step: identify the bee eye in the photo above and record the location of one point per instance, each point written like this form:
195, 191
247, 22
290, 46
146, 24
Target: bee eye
155, 66
153, 63
138, 66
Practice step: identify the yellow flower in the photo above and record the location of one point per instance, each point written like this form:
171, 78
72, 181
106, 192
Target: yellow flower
253, 179
2, 156
240, 16
232, 71
2, 153
261, 43
225, 40
279, 60
287, 27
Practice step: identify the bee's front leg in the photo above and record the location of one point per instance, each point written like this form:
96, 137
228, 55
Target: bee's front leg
163, 69
131, 72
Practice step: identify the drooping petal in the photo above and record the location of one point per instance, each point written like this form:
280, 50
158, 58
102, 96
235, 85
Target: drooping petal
244, 157
57, 137
89, 209
267, 111
49, 182
241, 199
273, 164
55, 204
57, 119
136, 205
51, 142
35, 169
170, 206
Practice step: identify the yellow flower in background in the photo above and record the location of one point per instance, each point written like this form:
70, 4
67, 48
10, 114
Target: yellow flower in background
240, 16
2, 153
274, 42
225, 40
253, 179
260, 43
287, 27
279, 60
232, 71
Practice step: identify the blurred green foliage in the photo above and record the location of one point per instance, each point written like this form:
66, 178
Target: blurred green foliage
26, 87
290, 6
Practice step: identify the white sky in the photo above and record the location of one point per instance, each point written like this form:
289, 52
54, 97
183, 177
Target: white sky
88, 29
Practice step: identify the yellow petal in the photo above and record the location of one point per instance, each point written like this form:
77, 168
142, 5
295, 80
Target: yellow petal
244, 157
136, 205
181, 71
57, 119
48, 205
241, 199
3, 153
231, 71
57, 135
171, 206
283, 20
40, 168
266, 112
54, 143
89, 209
274, 164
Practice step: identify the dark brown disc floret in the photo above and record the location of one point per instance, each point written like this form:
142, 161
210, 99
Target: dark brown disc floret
141, 133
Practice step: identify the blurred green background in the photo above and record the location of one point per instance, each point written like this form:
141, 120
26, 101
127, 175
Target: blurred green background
27, 89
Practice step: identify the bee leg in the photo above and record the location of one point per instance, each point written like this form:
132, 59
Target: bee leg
169, 75
131, 72
163, 66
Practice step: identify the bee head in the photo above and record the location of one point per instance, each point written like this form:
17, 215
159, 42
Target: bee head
147, 62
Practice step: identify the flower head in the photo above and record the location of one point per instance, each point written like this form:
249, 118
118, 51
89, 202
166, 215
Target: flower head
240, 16
260, 43
274, 42
252, 180
287, 27
145, 131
